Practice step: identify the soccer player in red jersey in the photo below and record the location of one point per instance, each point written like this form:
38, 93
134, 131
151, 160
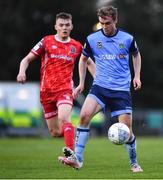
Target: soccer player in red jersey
58, 54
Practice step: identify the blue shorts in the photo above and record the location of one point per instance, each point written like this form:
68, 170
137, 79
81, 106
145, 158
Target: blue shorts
118, 102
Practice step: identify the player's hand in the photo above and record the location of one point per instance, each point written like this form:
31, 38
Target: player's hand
21, 78
78, 90
136, 83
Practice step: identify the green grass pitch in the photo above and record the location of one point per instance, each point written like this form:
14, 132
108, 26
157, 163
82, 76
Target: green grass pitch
29, 158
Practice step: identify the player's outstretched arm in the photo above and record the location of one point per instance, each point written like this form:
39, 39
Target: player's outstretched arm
137, 69
82, 75
21, 77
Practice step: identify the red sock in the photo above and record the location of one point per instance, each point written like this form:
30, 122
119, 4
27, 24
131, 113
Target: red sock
68, 132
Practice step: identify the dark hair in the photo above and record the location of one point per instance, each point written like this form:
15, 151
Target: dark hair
63, 15
108, 11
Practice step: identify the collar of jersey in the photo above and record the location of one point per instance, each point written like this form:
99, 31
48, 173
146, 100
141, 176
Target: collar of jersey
111, 35
57, 39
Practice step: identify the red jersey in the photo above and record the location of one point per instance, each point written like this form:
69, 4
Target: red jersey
57, 63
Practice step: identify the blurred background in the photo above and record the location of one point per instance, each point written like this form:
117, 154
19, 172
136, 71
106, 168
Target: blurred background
23, 23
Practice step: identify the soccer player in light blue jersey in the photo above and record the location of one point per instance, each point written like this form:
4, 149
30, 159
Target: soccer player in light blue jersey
110, 47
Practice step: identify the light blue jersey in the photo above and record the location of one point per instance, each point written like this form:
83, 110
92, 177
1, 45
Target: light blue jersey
111, 55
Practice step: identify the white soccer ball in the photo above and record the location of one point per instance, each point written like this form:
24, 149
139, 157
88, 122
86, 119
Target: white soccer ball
119, 133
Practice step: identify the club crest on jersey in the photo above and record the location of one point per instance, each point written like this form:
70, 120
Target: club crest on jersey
121, 46
99, 45
72, 49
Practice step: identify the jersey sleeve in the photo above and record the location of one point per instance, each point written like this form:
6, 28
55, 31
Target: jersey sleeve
87, 49
133, 47
38, 49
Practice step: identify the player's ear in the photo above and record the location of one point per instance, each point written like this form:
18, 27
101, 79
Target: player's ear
115, 21
72, 26
55, 27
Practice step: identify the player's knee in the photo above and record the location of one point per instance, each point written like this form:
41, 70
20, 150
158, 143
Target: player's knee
84, 118
84, 115
62, 118
55, 132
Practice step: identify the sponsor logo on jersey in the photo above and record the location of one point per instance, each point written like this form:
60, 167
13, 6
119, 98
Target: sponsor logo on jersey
112, 56
121, 56
108, 56
61, 56
99, 45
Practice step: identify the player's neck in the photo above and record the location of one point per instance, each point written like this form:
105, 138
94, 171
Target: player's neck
113, 32
60, 39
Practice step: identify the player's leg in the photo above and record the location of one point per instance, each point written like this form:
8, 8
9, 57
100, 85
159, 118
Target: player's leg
64, 106
121, 106
82, 133
51, 116
89, 109
54, 126
126, 119
64, 117
91, 106
131, 144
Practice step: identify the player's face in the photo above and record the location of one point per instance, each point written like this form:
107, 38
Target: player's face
63, 28
108, 25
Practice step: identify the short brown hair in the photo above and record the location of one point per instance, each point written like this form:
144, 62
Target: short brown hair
63, 15
108, 11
